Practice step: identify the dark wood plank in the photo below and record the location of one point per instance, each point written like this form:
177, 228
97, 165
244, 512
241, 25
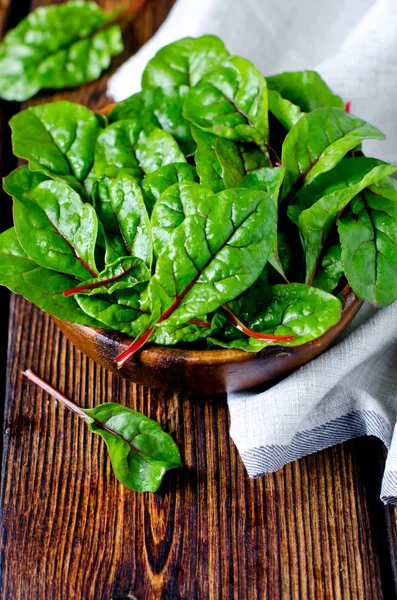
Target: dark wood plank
308, 531
314, 530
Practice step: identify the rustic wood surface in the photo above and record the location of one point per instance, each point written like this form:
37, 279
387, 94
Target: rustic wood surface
70, 531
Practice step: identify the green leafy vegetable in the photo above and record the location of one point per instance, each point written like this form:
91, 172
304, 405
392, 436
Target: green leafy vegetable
368, 234
317, 143
57, 46
184, 62
196, 215
231, 102
42, 287
306, 312
315, 223
56, 229
58, 140
306, 89
129, 147
156, 183
121, 208
140, 451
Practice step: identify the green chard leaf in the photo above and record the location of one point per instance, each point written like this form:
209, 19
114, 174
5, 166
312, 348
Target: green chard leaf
124, 273
140, 451
57, 139
330, 271
231, 102
42, 287
155, 184
305, 89
317, 143
208, 166
315, 223
120, 206
294, 308
174, 205
55, 228
287, 113
122, 310
270, 181
184, 62
57, 46
161, 107
167, 334
368, 234
128, 146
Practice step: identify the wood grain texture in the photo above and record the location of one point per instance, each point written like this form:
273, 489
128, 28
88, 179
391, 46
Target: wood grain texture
70, 531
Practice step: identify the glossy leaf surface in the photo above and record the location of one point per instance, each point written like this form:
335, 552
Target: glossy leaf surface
57, 46
305, 89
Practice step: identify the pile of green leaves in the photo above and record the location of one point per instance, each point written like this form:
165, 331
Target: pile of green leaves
58, 46
215, 207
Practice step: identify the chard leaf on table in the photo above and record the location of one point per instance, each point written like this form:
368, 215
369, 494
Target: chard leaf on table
122, 310
330, 271
174, 205
121, 208
128, 146
161, 107
56, 229
368, 234
124, 273
305, 89
287, 113
57, 139
155, 184
231, 102
317, 142
41, 286
140, 451
315, 223
56, 47
294, 308
184, 62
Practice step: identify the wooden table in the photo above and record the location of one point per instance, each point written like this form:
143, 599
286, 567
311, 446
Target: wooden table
70, 531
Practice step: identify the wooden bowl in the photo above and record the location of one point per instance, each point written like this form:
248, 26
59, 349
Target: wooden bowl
203, 371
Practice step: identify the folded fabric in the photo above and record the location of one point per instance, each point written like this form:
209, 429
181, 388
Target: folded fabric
351, 390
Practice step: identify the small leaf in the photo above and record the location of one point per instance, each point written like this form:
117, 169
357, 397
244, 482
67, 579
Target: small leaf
127, 147
56, 47
140, 451
317, 143
368, 234
306, 89
155, 184
208, 166
167, 334
58, 140
231, 102
184, 62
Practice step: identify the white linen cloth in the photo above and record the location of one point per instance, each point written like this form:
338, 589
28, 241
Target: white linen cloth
351, 390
